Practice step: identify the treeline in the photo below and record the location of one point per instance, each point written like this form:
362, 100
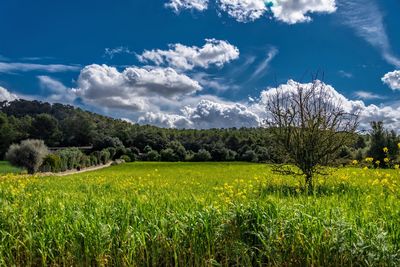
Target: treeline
61, 125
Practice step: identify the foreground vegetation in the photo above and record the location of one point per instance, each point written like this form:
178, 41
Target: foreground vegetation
200, 214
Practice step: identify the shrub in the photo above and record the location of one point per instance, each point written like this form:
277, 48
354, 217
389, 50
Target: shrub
113, 152
250, 156
93, 160
153, 155
202, 155
104, 156
168, 155
85, 161
28, 154
126, 158
70, 158
51, 163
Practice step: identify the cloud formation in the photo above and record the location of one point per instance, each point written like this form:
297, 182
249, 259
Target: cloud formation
392, 79
243, 10
133, 88
365, 18
8, 67
178, 5
292, 11
5, 95
213, 53
287, 11
367, 95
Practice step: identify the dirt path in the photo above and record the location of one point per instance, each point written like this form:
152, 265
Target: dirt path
69, 172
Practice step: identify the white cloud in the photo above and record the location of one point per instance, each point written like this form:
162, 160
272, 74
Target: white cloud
392, 79
204, 115
25, 67
295, 11
5, 95
213, 53
58, 92
287, 11
178, 5
134, 88
112, 52
365, 18
165, 120
261, 68
345, 74
243, 10
367, 95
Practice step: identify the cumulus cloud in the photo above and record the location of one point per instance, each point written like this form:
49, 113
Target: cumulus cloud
205, 114
243, 10
293, 11
133, 88
287, 11
392, 79
213, 53
5, 95
57, 90
178, 5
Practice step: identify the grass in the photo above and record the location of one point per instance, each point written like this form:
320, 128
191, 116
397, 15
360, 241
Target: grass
200, 214
5, 168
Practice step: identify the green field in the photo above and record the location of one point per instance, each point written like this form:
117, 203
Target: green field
5, 168
200, 214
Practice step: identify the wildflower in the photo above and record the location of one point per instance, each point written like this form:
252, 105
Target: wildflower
396, 167
378, 162
385, 149
354, 162
369, 159
386, 160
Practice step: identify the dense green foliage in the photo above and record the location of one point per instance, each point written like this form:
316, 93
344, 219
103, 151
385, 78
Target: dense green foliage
194, 214
65, 126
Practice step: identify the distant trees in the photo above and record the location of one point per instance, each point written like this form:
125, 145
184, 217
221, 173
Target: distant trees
310, 126
28, 154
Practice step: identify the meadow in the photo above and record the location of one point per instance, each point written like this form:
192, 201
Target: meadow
200, 214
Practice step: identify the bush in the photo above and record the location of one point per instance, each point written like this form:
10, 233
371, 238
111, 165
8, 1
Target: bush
70, 158
250, 156
29, 154
126, 158
93, 160
104, 156
168, 155
113, 152
202, 155
51, 163
153, 155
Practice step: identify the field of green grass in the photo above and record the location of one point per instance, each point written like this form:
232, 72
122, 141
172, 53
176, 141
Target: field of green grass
200, 214
5, 168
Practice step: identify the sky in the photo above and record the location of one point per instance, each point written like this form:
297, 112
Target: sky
200, 63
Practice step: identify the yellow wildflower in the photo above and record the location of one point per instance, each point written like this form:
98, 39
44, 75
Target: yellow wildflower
385, 149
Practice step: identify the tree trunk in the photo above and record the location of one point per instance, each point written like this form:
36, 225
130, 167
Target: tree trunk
309, 183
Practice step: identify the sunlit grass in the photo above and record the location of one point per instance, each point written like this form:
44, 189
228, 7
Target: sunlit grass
200, 214
5, 168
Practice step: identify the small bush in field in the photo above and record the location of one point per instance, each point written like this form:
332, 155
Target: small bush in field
28, 154
126, 158
51, 163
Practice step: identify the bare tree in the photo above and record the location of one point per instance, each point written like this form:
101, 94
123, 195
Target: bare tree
310, 125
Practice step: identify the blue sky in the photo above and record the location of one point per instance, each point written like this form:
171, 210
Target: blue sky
92, 54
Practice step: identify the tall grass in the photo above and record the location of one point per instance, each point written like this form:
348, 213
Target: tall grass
199, 214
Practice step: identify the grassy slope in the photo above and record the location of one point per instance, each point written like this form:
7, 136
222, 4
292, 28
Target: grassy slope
199, 214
